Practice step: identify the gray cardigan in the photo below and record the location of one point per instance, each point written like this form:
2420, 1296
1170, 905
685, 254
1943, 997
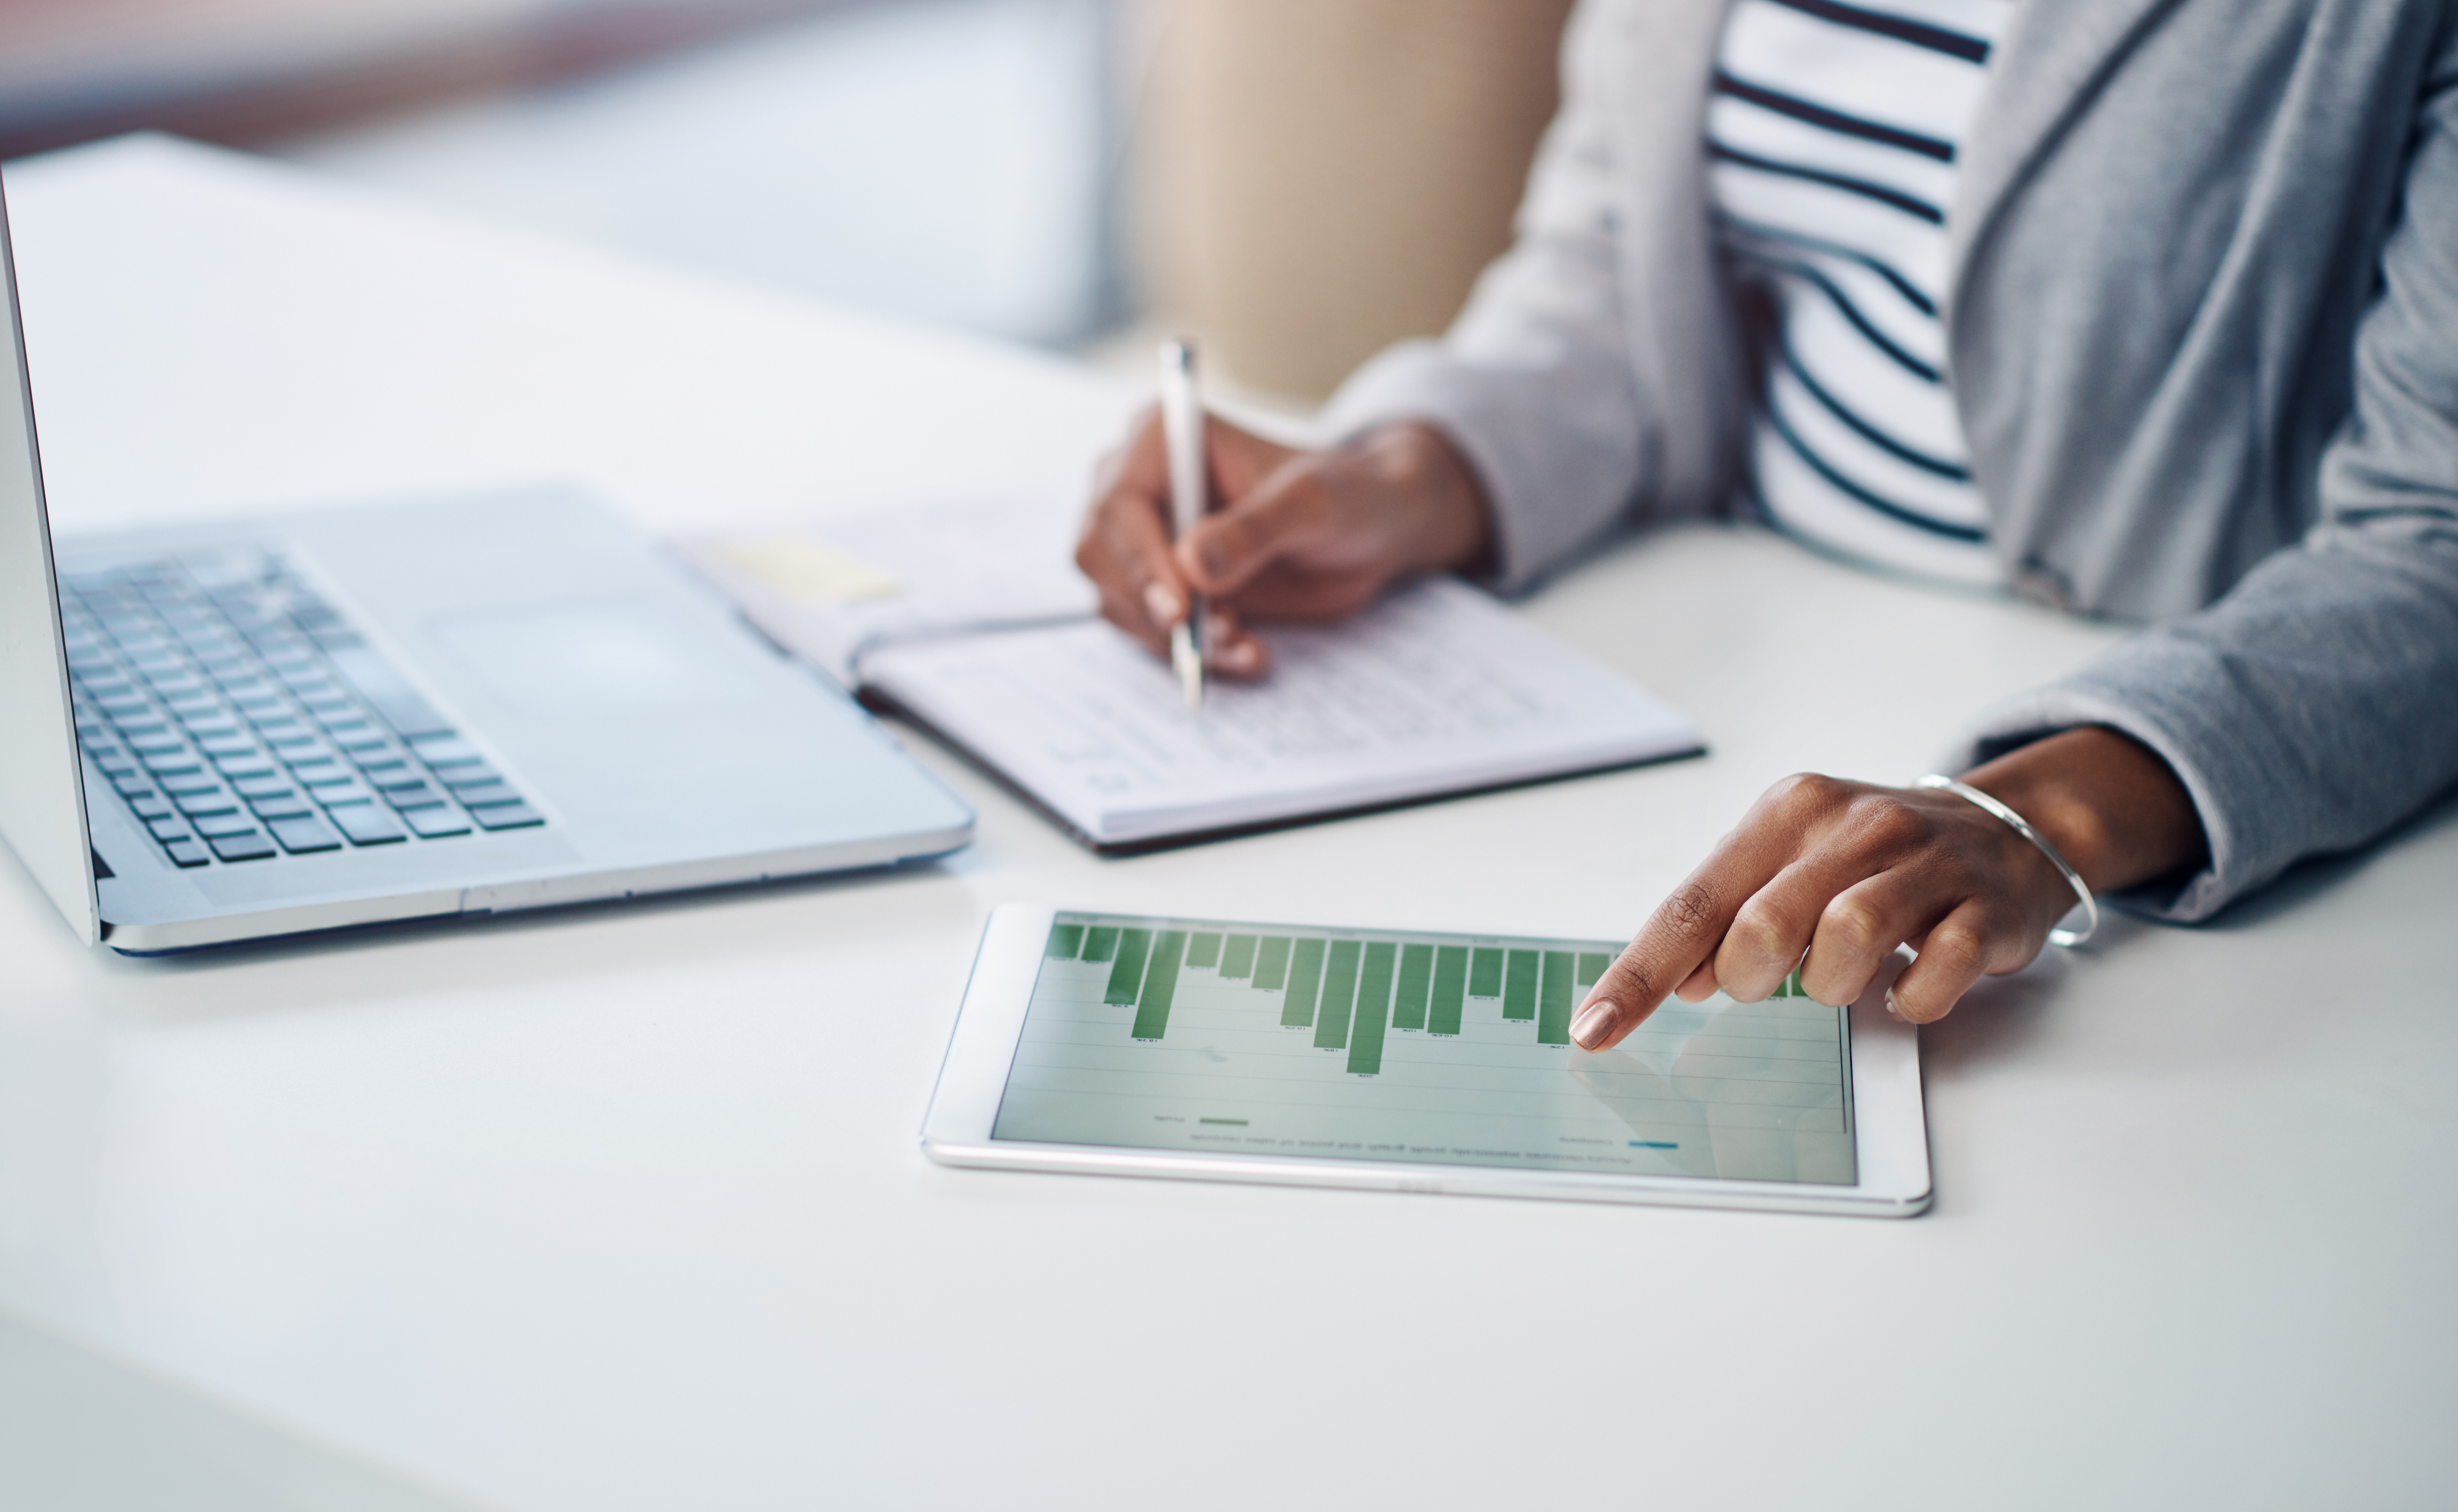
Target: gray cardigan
2203, 337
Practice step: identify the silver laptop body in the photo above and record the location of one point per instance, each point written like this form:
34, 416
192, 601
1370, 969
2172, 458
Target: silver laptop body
217, 733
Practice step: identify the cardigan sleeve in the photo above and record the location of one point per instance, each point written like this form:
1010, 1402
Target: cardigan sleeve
1533, 382
2315, 705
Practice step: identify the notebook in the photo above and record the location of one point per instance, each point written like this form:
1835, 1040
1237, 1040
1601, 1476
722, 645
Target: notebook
971, 620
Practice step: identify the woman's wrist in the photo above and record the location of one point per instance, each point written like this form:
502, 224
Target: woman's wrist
2108, 805
1450, 528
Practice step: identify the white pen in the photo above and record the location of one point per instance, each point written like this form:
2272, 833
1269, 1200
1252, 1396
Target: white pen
1181, 422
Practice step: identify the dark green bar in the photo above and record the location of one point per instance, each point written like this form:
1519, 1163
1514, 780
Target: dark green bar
1484, 977
1591, 967
1416, 979
1160, 987
1306, 979
1065, 940
1553, 1002
1100, 943
1373, 1009
1237, 958
1450, 982
1127, 972
1272, 965
1204, 950
1338, 995
1519, 991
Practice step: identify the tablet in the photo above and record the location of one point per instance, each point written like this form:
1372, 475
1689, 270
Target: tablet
1413, 1061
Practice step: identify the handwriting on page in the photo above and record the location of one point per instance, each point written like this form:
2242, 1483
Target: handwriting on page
1437, 686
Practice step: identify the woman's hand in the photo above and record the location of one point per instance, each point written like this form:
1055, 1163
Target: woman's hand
1288, 534
1840, 873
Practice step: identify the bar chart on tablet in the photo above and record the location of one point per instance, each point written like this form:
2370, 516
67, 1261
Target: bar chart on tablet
1449, 1049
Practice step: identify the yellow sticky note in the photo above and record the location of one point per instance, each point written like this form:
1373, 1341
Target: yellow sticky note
810, 570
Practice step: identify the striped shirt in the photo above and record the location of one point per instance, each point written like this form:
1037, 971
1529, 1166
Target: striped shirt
1831, 139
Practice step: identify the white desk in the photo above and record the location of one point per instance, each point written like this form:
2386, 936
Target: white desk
621, 1208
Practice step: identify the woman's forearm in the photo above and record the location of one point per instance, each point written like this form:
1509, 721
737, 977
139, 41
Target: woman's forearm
2105, 801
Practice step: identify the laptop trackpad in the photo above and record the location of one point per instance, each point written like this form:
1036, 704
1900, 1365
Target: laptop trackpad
593, 660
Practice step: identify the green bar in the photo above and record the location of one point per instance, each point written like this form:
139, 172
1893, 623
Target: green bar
1554, 1003
1160, 987
1306, 979
1338, 995
1065, 940
1272, 965
1373, 1009
1416, 978
1204, 950
1100, 943
1237, 958
1519, 991
1450, 982
1591, 967
1127, 973
1484, 977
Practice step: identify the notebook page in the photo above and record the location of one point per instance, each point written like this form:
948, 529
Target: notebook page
1435, 690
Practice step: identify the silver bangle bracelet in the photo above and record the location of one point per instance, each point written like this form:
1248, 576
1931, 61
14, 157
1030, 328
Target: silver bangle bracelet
2067, 938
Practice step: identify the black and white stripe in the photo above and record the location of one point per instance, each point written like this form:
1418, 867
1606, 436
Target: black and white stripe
1832, 138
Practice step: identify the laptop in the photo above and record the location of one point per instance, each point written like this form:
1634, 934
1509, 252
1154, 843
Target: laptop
327, 720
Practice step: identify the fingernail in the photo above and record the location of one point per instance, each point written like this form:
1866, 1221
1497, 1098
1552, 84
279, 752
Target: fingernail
1595, 1023
1161, 604
1241, 655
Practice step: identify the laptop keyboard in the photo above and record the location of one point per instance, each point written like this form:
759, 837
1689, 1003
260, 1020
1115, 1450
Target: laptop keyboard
242, 719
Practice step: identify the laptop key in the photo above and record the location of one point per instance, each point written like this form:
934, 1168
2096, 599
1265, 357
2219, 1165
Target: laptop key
508, 816
447, 751
281, 806
149, 806
185, 852
414, 795
392, 695
305, 834
486, 794
168, 829
435, 823
215, 800
366, 823
219, 826
251, 846
260, 787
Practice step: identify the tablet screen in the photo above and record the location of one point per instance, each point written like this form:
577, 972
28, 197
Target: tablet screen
1442, 1049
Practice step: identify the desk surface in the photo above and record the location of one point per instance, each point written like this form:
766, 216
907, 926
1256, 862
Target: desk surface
622, 1209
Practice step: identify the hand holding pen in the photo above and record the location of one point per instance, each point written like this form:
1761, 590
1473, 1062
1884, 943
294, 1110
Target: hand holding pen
1304, 537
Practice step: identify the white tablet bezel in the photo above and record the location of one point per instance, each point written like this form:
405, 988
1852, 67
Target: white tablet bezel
1890, 1130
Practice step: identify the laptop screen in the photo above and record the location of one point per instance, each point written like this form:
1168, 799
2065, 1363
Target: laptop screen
42, 788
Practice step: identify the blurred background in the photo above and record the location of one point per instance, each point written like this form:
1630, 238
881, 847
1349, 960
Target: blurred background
1297, 182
